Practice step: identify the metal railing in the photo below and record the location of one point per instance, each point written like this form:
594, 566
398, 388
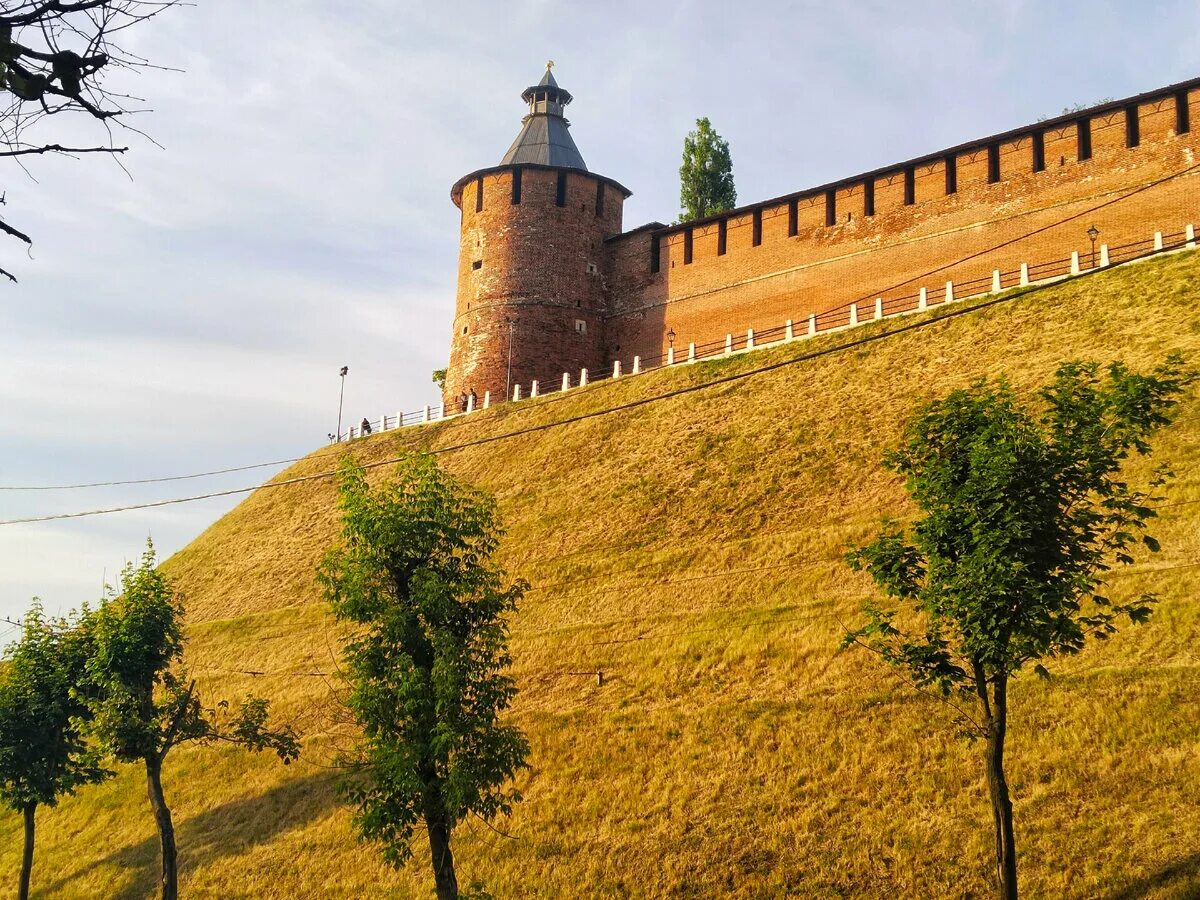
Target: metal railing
847, 315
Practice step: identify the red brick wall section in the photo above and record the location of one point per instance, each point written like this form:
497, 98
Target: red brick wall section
903, 247
529, 262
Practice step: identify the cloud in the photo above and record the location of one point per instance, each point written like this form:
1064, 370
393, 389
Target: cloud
298, 219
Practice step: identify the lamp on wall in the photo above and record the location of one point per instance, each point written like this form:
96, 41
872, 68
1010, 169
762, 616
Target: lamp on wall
508, 376
1093, 233
671, 338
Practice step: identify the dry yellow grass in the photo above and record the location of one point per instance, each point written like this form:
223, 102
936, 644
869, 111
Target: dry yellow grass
689, 549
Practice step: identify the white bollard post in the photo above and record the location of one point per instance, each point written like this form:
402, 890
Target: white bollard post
516, 392
670, 356
787, 331
533, 388
566, 381
1074, 262
692, 352
749, 338
923, 299
637, 366
853, 313
1103, 255
583, 378
995, 281
1189, 234
949, 292
812, 324
383, 422
1158, 240
879, 307
399, 419
728, 344
487, 399
470, 403
427, 414
1024, 274
616, 368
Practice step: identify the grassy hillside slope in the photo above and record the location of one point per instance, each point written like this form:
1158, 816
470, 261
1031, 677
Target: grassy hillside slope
690, 550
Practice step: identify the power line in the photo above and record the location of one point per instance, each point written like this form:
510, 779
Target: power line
570, 420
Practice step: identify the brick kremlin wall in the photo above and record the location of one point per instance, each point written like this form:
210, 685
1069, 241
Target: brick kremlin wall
893, 230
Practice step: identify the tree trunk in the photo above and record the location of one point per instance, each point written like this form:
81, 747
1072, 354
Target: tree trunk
1006, 850
27, 855
166, 831
443, 860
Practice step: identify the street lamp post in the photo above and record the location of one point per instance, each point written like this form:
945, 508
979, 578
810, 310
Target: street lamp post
670, 346
341, 394
1093, 233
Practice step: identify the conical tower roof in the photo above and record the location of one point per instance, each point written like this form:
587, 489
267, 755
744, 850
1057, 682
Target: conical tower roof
544, 139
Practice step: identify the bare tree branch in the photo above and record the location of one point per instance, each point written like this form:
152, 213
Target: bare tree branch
56, 57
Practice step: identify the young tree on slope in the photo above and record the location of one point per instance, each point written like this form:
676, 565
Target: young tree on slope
706, 176
413, 573
144, 705
55, 58
43, 754
1022, 513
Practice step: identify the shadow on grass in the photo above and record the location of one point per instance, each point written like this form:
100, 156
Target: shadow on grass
227, 830
1182, 875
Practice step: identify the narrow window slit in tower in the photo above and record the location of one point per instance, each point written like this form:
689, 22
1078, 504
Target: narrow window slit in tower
793, 217
1039, 151
479, 194
757, 227
830, 208
1083, 139
993, 152
516, 186
722, 230
951, 163
1182, 118
655, 252
869, 197
560, 197
478, 264
1133, 135
910, 186
687, 246
599, 198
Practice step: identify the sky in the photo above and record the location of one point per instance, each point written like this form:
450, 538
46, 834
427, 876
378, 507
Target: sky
193, 313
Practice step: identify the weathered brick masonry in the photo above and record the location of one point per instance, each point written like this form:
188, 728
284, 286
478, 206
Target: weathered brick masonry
549, 262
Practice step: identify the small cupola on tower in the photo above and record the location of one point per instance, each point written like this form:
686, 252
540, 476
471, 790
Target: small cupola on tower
545, 139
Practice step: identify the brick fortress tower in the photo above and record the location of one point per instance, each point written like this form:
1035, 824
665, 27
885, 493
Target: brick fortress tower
531, 286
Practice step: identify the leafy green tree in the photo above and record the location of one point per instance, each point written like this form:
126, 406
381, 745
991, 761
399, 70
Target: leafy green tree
1023, 511
43, 754
439, 378
414, 574
142, 702
706, 176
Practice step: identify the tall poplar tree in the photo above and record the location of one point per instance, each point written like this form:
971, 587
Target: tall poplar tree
706, 176
1023, 509
414, 575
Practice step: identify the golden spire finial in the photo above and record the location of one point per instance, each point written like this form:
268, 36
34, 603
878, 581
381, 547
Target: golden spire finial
549, 65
